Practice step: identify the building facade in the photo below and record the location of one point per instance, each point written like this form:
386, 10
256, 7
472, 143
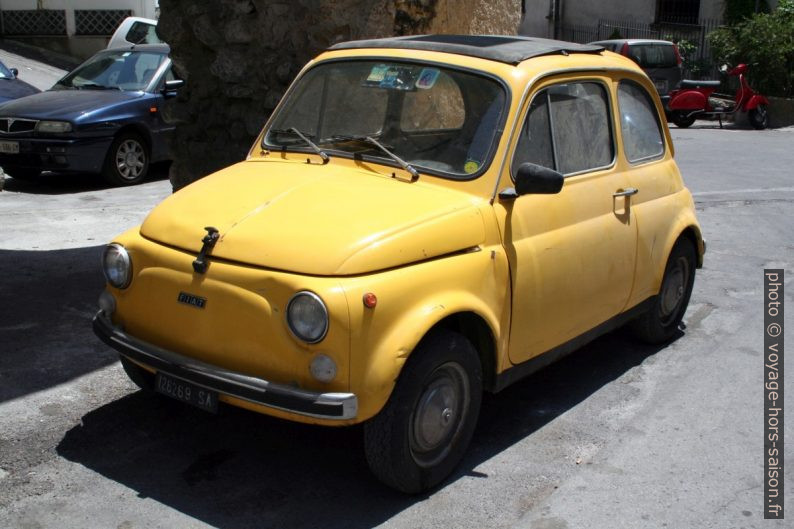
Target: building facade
77, 28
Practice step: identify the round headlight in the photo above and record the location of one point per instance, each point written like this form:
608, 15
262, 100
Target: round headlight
117, 265
307, 317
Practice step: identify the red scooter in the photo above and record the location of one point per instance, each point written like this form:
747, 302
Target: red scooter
695, 99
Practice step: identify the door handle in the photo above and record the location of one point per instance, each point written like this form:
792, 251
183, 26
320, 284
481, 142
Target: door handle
626, 192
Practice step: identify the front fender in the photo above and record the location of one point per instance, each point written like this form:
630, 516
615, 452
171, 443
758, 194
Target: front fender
411, 301
755, 101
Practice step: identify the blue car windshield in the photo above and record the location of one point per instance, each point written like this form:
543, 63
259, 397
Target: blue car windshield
115, 70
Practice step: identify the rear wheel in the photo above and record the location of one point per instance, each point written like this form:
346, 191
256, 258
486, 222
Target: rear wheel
759, 117
661, 322
682, 119
127, 161
424, 429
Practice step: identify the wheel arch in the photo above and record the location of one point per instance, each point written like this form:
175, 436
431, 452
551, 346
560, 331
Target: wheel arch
138, 129
477, 331
377, 377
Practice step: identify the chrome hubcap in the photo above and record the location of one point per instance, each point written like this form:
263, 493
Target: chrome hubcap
438, 414
675, 284
130, 159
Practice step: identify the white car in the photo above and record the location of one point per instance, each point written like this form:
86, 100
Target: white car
135, 30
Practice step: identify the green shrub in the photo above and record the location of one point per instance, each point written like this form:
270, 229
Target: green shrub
766, 43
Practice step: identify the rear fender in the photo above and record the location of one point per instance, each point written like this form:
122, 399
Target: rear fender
687, 100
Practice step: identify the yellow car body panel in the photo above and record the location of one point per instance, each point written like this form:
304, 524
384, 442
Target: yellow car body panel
428, 250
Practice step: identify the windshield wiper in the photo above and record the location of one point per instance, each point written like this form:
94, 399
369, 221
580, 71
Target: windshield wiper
95, 86
372, 141
292, 130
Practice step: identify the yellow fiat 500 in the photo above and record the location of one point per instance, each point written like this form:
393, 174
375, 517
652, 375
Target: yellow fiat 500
422, 219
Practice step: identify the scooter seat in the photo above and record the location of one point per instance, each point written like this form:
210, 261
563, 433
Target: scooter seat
690, 83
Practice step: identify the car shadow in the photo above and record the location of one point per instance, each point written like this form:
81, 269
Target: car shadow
60, 184
48, 299
239, 469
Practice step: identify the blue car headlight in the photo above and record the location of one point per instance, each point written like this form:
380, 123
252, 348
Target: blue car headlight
53, 126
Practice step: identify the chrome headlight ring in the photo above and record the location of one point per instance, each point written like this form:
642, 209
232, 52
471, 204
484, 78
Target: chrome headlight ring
307, 317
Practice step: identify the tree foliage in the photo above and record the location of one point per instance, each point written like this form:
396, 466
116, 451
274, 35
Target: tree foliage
766, 43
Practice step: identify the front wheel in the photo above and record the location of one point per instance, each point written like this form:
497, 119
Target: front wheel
660, 323
759, 117
127, 160
424, 429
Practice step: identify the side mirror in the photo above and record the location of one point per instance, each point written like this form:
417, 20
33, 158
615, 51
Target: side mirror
533, 179
15, 72
171, 87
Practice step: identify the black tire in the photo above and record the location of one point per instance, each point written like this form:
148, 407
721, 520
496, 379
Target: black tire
661, 322
127, 160
759, 117
425, 428
22, 173
142, 378
681, 119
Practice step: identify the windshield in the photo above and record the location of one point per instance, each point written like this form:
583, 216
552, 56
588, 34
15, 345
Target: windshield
115, 70
436, 119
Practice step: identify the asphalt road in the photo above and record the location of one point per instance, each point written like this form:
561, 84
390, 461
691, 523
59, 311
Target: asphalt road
615, 436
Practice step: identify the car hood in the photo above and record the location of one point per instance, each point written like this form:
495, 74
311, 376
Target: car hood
70, 105
14, 89
317, 219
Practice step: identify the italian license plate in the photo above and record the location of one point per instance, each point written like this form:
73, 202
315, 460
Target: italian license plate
186, 392
10, 147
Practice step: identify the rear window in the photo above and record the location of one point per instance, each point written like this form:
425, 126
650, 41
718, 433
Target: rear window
142, 33
653, 55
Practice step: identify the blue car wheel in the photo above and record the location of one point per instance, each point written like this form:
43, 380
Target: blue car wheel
127, 161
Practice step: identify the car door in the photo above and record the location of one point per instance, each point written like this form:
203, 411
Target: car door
158, 127
571, 254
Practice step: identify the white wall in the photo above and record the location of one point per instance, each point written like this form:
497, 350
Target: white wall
139, 8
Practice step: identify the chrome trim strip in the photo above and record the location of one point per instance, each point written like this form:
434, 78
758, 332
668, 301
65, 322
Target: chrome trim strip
333, 406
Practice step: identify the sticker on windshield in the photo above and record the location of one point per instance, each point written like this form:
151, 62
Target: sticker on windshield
471, 166
377, 74
427, 78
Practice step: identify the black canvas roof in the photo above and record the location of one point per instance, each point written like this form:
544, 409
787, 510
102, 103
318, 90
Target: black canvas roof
507, 49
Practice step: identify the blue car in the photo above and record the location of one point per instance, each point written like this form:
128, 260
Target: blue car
11, 86
103, 117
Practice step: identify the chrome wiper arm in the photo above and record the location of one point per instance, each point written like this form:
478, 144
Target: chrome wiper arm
405, 165
372, 141
321, 153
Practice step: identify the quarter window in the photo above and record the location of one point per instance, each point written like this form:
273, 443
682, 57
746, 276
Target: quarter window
639, 123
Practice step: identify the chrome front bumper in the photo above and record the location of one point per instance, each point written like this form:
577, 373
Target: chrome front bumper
337, 406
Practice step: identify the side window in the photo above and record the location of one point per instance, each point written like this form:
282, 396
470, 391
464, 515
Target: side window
581, 126
639, 123
534, 141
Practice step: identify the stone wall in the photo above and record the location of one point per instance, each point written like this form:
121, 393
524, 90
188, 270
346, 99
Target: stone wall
239, 56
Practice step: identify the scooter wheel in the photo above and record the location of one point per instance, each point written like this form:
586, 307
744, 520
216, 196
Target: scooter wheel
759, 117
682, 120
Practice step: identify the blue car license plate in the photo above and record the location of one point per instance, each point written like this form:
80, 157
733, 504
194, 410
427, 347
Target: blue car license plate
183, 391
